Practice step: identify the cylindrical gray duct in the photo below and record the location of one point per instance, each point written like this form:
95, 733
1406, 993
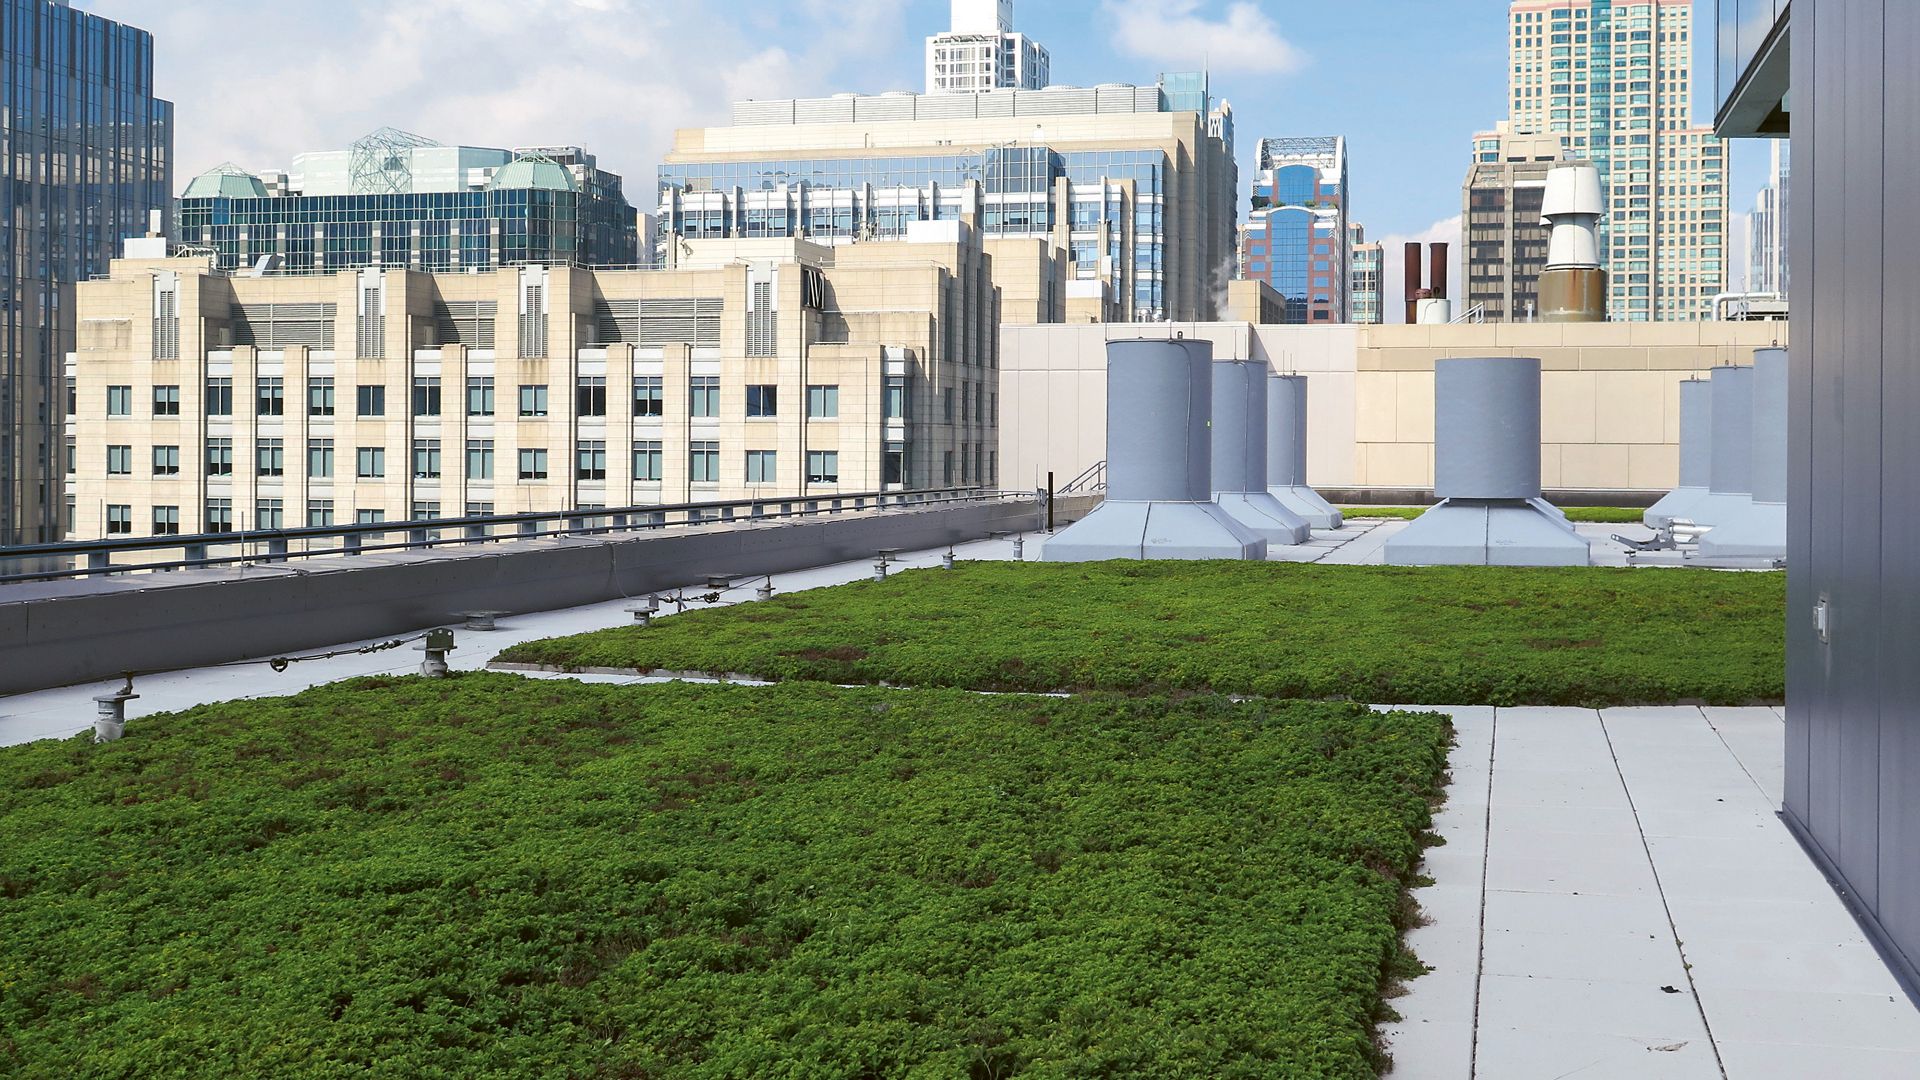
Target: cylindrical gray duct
1696, 433
1731, 470
1239, 426
1487, 428
1159, 396
1768, 426
1287, 430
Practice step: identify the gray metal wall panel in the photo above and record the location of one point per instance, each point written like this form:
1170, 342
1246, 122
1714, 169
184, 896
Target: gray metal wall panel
1805, 682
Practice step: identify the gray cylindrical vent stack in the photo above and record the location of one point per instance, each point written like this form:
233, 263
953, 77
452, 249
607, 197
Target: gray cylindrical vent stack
1730, 454
1696, 456
1759, 529
1159, 464
1240, 454
1287, 452
1487, 474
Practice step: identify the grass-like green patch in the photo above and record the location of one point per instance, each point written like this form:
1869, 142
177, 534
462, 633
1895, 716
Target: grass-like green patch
1604, 515
1389, 635
496, 877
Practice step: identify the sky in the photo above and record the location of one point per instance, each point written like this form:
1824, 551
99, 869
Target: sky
1408, 82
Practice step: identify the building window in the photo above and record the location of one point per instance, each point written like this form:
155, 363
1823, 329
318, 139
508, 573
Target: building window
270, 514
270, 393
425, 511
369, 517
703, 462
120, 403
479, 459
370, 400
823, 466
823, 402
762, 467
166, 461
166, 401
479, 509
219, 457
426, 459
271, 456
649, 398
590, 459
946, 404
946, 469
320, 458
533, 400
319, 513
763, 401
119, 520
320, 396
893, 465
219, 515
705, 396
426, 395
370, 462
166, 521
590, 395
647, 463
480, 395
893, 397
533, 464
220, 397
119, 461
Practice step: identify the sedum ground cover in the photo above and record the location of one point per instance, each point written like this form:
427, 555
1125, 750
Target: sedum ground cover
1387, 635
489, 876
1604, 515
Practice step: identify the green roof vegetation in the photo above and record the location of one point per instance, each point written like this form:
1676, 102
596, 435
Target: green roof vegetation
1386, 635
489, 876
1603, 515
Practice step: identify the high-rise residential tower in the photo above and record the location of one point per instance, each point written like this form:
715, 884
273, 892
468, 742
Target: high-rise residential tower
402, 201
1296, 234
1767, 252
1369, 278
1614, 78
1505, 239
89, 158
981, 52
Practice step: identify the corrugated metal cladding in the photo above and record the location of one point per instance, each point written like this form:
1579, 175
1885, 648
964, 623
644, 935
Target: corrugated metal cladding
652, 323
465, 322
1853, 714
276, 326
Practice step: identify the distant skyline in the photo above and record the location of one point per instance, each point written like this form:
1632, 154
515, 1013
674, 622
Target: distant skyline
1407, 82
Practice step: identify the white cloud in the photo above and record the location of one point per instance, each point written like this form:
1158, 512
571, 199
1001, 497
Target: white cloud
1394, 260
614, 76
1177, 34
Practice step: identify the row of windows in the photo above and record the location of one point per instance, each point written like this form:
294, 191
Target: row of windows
649, 398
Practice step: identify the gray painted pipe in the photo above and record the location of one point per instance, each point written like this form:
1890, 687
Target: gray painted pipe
1731, 470
1239, 426
1159, 399
1487, 428
1768, 427
1287, 431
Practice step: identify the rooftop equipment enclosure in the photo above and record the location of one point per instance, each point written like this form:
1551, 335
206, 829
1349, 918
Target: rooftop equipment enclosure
1287, 452
1240, 454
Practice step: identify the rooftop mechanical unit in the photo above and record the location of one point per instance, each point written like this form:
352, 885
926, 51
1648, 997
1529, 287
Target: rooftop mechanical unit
1759, 529
1730, 458
1696, 457
1287, 452
1240, 454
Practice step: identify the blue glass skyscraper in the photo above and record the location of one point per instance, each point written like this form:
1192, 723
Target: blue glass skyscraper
90, 154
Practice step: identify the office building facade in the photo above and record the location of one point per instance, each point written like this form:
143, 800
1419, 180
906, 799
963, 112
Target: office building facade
208, 401
398, 200
1126, 192
1505, 238
981, 52
1614, 78
1296, 237
1769, 230
1369, 269
89, 159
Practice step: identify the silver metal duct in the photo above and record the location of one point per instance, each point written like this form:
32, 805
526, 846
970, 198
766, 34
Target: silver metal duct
1287, 452
1487, 475
1159, 501
1240, 454
1759, 530
1730, 468
1696, 456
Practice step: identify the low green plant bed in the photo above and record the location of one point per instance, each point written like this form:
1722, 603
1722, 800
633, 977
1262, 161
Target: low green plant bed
1388, 635
490, 876
1604, 515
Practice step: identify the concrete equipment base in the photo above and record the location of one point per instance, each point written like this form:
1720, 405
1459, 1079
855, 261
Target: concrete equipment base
1155, 530
1466, 532
1758, 532
1265, 517
1307, 505
1677, 504
1712, 509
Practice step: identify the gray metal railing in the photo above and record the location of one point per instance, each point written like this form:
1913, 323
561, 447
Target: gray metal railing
91, 558
1090, 482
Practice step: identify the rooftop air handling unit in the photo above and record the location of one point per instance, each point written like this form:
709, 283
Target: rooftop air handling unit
1287, 452
1487, 474
1573, 288
1696, 456
1159, 501
1759, 529
1730, 458
1240, 454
